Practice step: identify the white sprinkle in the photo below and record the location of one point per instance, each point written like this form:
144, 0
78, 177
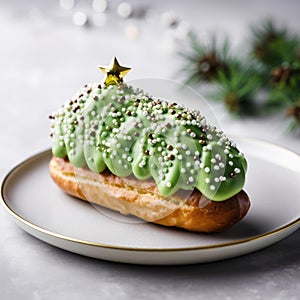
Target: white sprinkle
179, 157
226, 151
191, 179
183, 170
218, 156
188, 152
217, 179
207, 170
217, 168
221, 165
213, 161
207, 180
237, 170
115, 130
230, 163
212, 187
188, 164
208, 147
168, 184
222, 178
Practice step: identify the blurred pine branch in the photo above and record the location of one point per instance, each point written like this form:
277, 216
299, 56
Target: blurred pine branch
271, 66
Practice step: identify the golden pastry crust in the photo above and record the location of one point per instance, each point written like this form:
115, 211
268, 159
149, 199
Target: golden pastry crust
141, 198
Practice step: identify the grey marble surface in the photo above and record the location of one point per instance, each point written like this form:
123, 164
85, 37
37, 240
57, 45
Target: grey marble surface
44, 59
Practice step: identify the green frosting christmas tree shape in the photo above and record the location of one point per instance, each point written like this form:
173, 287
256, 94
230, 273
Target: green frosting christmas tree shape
123, 129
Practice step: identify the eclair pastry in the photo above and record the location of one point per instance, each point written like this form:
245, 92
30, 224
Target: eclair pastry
116, 146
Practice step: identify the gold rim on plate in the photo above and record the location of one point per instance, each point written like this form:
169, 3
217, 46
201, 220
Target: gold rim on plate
107, 246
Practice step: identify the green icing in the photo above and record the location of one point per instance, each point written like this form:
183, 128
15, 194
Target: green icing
123, 129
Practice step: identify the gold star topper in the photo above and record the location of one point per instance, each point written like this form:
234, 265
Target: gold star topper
114, 72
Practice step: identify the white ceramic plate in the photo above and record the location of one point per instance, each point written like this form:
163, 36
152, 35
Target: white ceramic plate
40, 208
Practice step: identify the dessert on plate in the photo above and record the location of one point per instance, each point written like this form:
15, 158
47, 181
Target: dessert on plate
116, 146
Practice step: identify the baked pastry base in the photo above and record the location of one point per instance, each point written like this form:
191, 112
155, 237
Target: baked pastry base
142, 199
